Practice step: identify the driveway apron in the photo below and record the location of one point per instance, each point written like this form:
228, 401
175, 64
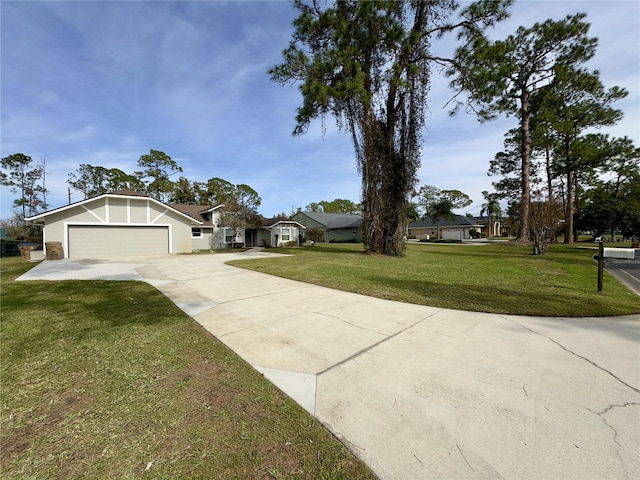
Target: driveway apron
420, 392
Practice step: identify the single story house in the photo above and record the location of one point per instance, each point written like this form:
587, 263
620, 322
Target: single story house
345, 229
337, 227
454, 228
128, 223
275, 232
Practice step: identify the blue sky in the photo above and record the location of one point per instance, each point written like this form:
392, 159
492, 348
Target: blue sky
103, 82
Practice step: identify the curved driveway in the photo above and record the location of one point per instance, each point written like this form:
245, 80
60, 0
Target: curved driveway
419, 392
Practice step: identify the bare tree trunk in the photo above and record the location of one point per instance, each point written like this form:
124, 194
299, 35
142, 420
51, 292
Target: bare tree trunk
548, 169
44, 184
568, 218
525, 197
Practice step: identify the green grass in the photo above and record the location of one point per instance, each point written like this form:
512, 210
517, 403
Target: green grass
497, 278
106, 379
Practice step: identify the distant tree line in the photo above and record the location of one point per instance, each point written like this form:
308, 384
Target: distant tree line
26, 178
538, 76
339, 205
154, 179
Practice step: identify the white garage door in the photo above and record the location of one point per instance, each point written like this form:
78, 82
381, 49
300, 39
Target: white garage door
452, 234
95, 241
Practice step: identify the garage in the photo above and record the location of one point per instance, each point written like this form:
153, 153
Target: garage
451, 234
117, 224
86, 241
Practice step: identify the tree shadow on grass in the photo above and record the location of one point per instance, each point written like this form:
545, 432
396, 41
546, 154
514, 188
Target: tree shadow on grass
85, 308
499, 300
337, 248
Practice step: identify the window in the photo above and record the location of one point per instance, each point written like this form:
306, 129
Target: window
196, 232
228, 235
286, 234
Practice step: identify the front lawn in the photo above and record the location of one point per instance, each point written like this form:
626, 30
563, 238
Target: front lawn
496, 278
110, 380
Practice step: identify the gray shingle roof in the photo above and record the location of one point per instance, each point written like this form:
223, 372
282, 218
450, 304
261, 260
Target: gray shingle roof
455, 221
194, 211
330, 220
353, 221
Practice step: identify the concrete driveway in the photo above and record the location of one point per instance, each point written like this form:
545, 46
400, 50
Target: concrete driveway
419, 392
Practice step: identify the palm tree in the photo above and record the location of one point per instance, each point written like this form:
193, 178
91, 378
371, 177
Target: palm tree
493, 210
437, 210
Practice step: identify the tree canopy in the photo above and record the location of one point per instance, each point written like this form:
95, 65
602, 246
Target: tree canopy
339, 205
158, 167
575, 102
93, 180
27, 178
503, 76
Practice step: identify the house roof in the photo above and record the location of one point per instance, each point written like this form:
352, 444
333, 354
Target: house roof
330, 220
484, 220
269, 223
121, 194
455, 221
352, 221
128, 193
198, 212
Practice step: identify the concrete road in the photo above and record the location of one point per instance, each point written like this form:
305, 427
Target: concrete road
626, 271
420, 392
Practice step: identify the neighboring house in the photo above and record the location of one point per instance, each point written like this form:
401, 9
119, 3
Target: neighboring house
336, 226
117, 224
276, 232
345, 229
454, 228
491, 226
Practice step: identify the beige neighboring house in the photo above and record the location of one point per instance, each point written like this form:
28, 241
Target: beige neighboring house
490, 225
117, 224
455, 228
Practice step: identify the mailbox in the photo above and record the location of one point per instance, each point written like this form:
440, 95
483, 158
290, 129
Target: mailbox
628, 253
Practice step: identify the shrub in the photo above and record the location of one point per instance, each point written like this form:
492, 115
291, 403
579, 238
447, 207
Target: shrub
544, 221
315, 234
